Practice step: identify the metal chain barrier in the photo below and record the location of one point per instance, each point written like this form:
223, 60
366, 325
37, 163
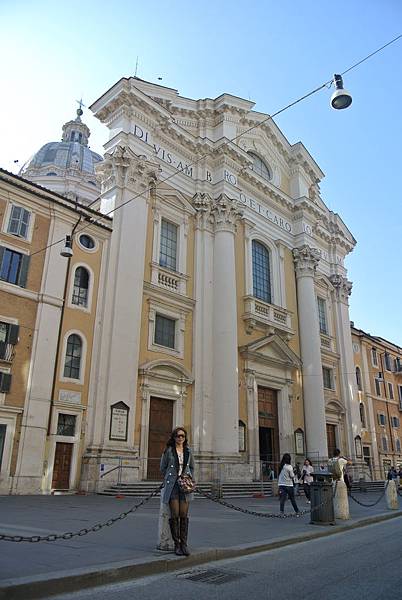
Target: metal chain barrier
254, 513
84, 531
373, 503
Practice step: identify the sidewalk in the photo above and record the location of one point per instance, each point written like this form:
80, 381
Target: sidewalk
128, 548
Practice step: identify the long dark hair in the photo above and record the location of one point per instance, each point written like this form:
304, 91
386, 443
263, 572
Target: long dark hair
172, 440
310, 464
286, 460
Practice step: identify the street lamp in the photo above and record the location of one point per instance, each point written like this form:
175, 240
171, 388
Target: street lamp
340, 98
67, 251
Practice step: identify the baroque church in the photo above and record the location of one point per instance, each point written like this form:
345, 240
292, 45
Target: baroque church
208, 290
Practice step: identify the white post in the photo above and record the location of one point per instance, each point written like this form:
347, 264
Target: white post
306, 261
341, 501
391, 496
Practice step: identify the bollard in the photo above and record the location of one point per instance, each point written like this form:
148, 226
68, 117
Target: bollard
341, 501
165, 542
391, 496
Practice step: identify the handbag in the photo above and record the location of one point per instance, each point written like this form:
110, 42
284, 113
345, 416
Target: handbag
186, 484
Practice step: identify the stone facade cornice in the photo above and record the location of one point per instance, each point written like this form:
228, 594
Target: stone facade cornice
306, 260
343, 287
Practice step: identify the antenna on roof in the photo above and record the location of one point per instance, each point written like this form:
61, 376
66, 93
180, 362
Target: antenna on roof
136, 67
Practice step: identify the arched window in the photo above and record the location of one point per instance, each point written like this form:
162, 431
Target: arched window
81, 286
260, 167
261, 272
72, 363
359, 378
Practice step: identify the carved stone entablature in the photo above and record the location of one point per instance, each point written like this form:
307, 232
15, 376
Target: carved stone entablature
203, 218
123, 168
306, 260
343, 287
226, 213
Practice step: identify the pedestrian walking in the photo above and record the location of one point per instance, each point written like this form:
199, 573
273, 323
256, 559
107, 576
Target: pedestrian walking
286, 479
298, 474
177, 466
307, 478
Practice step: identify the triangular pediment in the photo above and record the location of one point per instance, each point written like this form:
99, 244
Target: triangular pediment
271, 348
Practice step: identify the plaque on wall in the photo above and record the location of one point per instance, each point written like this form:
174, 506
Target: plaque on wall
70, 397
119, 422
299, 441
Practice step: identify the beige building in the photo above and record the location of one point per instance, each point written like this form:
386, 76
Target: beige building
378, 367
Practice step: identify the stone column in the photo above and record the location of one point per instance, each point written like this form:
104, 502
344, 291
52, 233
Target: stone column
343, 289
253, 425
126, 182
306, 261
226, 214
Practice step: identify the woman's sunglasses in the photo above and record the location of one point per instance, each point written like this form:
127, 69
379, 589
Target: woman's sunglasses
180, 435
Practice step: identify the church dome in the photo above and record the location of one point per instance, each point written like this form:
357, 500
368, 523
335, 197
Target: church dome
67, 167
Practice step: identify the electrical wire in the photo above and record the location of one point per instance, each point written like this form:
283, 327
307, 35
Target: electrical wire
268, 118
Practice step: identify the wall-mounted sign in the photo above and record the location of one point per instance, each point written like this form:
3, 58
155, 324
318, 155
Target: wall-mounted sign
299, 441
119, 422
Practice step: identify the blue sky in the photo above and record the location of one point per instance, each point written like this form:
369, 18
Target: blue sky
270, 52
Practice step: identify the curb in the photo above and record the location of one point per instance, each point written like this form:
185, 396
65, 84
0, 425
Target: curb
43, 586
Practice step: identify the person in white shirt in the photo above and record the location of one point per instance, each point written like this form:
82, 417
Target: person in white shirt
286, 478
307, 478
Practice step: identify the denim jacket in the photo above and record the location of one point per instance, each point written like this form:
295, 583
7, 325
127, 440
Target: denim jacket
170, 470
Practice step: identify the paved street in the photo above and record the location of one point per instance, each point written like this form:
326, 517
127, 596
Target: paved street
361, 563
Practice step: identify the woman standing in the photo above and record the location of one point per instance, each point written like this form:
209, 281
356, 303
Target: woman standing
307, 478
177, 461
286, 483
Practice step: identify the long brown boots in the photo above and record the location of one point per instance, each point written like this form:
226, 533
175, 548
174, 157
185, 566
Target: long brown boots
174, 528
183, 535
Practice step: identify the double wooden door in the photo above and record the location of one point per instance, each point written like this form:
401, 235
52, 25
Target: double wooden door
268, 426
62, 466
160, 428
331, 439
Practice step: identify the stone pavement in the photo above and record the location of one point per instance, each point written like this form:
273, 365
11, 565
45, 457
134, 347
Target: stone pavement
128, 548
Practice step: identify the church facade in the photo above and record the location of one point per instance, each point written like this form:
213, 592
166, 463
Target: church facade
226, 302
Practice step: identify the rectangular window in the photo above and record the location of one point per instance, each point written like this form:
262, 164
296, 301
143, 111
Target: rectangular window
381, 419
377, 386
398, 365
385, 444
400, 396
388, 361
165, 329
390, 390
327, 377
19, 221
3, 429
374, 357
66, 424
322, 315
394, 421
13, 266
168, 247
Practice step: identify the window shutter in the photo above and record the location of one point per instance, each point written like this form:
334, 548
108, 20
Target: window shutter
22, 279
1, 254
3, 347
5, 382
13, 334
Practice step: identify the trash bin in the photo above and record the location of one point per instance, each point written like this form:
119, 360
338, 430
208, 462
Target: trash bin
322, 503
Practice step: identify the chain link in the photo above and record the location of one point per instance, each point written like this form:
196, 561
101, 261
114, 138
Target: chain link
373, 503
84, 531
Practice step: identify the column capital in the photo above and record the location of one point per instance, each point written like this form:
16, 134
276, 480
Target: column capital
203, 203
306, 260
121, 167
226, 213
343, 287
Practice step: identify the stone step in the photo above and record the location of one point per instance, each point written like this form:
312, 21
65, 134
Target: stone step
229, 490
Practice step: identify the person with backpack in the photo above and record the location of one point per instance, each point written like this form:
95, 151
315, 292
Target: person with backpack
286, 479
336, 465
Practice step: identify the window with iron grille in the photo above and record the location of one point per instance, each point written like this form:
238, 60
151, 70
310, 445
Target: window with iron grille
168, 245
322, 315
19, 221
72, 364
165, 330
327, 377
261, 272
81, 285
66, 424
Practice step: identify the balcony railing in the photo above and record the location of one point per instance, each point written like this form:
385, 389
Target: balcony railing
6, 352
169, 280
260, 314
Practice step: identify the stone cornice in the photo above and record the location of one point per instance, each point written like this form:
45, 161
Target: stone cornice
123, 168
343, 287
226, 213
306, 260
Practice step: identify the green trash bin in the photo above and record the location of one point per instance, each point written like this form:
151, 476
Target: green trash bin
322, 502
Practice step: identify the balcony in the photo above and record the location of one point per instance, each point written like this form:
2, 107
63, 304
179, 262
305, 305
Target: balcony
261, 315
326, 342
169, 280
6, 352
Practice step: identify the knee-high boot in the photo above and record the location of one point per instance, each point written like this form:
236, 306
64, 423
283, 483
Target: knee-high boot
174, 528
183, 535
